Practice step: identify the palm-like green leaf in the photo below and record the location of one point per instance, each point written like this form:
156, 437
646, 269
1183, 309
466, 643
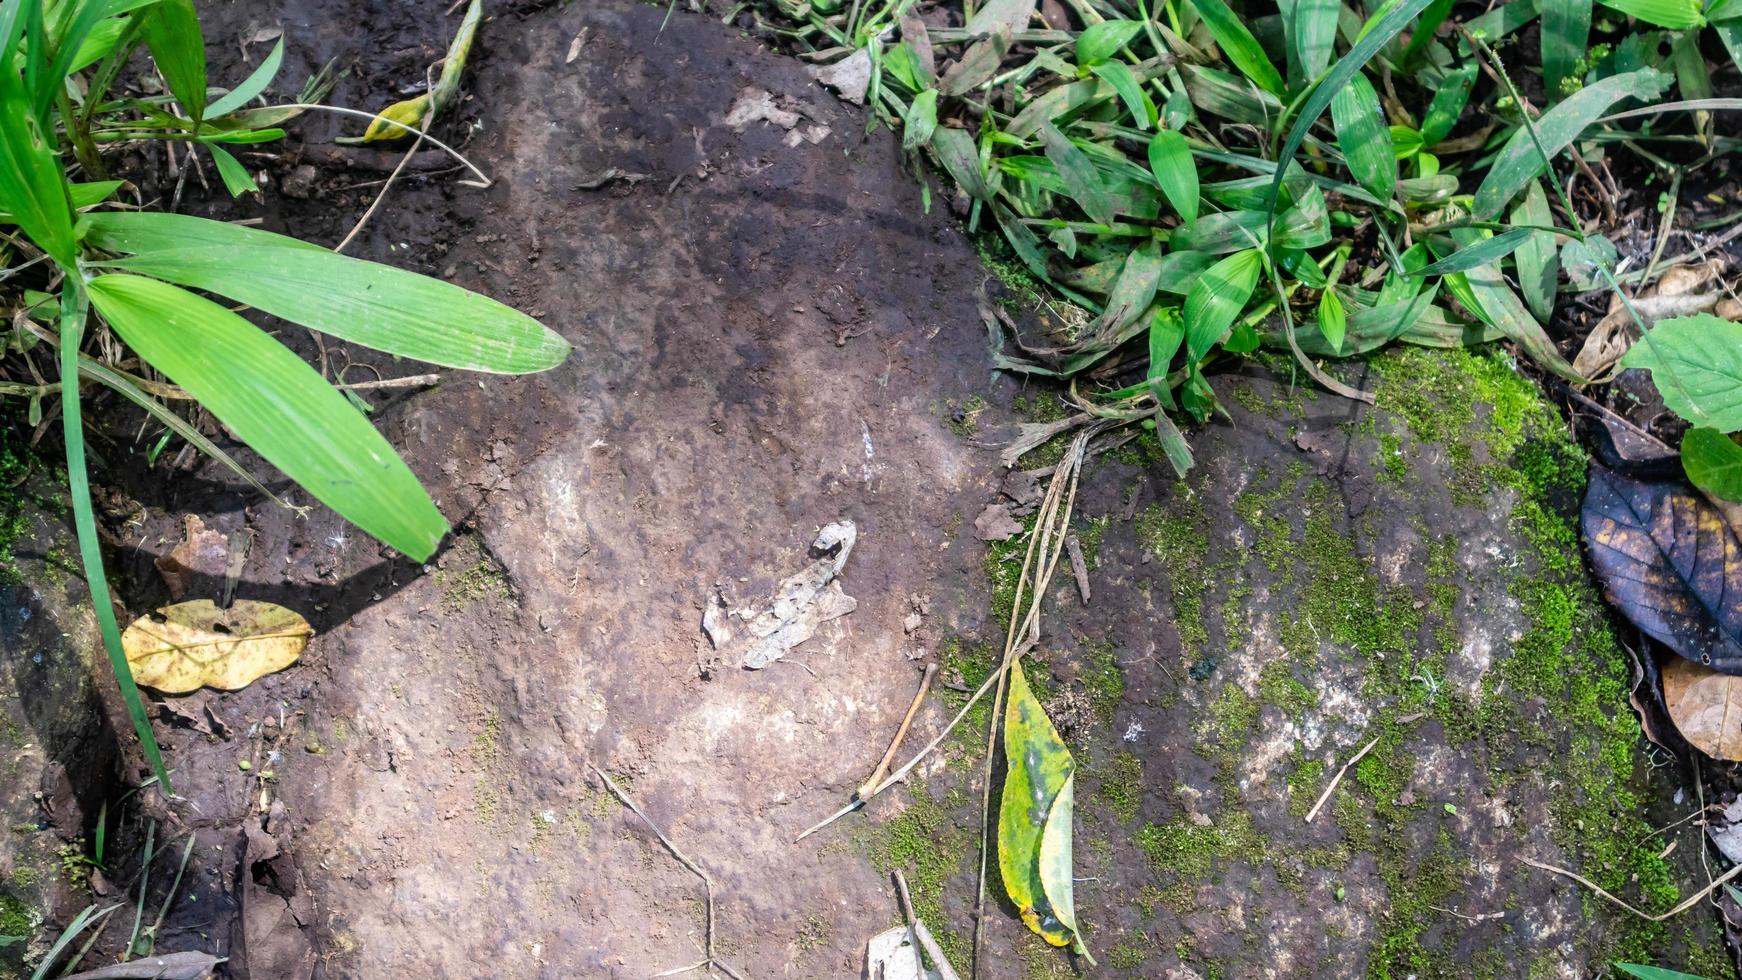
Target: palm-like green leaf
1363, 137
363, 302
1170, 161
276, 403
1240, 46
1217, 298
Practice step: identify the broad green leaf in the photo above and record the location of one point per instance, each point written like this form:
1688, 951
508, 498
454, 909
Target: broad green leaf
1447, 105
1479, 253
1520, 160
251, 86
1654, 972
1730, 34
1537, 266
275, 403
237, 180
157, 231
1135, 288
1130, 91
955, 149
1672, 14
1173, 446
1696, 362
1058, 103
32, 190
1566, 27
1494, 302
1166, 333
1405, 142
1713, 462
1333, 322
83, 195
1170, 160
74, 312
1101, 42
1039, 769
1022, 241
1693, 76
1055, 861
367, 303
363, 302
922, 120
1311, 35
1363, 137
172, 32
1229, 96
1078, 172
72, 51
1423, 33
1217, 298
1240, 46
1381, 33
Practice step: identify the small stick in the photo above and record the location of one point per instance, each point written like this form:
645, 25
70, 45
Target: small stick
912, 933
1079, 568
936, 952
870, 785
707, 882
1686, 904
1339, 778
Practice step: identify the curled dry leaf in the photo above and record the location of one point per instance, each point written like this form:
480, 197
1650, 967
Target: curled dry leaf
1670, 562
195, 644
1706, 707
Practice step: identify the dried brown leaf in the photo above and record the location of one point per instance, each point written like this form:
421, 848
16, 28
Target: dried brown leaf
1706, 706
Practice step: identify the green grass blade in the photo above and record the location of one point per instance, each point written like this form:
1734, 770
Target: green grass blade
32, 189
172, 31
236, 178
1170, 161
1447, 105
1377, 36
74, 309
1654, 972
1082, 180
1520, 160
921, 121
1240, 46
1217, 298
1333, 320
1311, 35
1478, 254
251, 86
1364, 138
1485, 291
1430, 22
1674, 15
275, 403
1538, 264
1101, 42
363, 302
1130, 91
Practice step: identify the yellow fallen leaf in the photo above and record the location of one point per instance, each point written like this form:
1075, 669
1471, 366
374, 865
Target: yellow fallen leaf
409, 113
1706, 706
190, 645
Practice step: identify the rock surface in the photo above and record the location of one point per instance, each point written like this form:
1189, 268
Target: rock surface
771, 334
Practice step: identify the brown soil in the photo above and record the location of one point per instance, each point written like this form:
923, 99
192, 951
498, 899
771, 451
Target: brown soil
772, 334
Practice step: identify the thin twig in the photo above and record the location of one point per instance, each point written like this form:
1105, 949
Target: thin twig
1686, 904
1339, 778
931, 671
912, 933
485, 181
707, 882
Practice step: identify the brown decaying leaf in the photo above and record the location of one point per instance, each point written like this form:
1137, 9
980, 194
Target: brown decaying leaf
1681, 292
1670, 562
196, 644
202, 554
1706, 706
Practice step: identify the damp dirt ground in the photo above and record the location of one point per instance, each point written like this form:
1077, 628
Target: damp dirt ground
772, 333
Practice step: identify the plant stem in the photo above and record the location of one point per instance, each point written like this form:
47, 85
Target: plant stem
75, 306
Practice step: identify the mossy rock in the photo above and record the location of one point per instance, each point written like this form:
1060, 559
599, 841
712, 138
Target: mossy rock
57, 750
1333, 575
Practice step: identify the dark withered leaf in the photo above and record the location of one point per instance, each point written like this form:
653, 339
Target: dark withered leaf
1670, 562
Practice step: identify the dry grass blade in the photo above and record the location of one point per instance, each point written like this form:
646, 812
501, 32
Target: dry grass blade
1686, 903
1338, 778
